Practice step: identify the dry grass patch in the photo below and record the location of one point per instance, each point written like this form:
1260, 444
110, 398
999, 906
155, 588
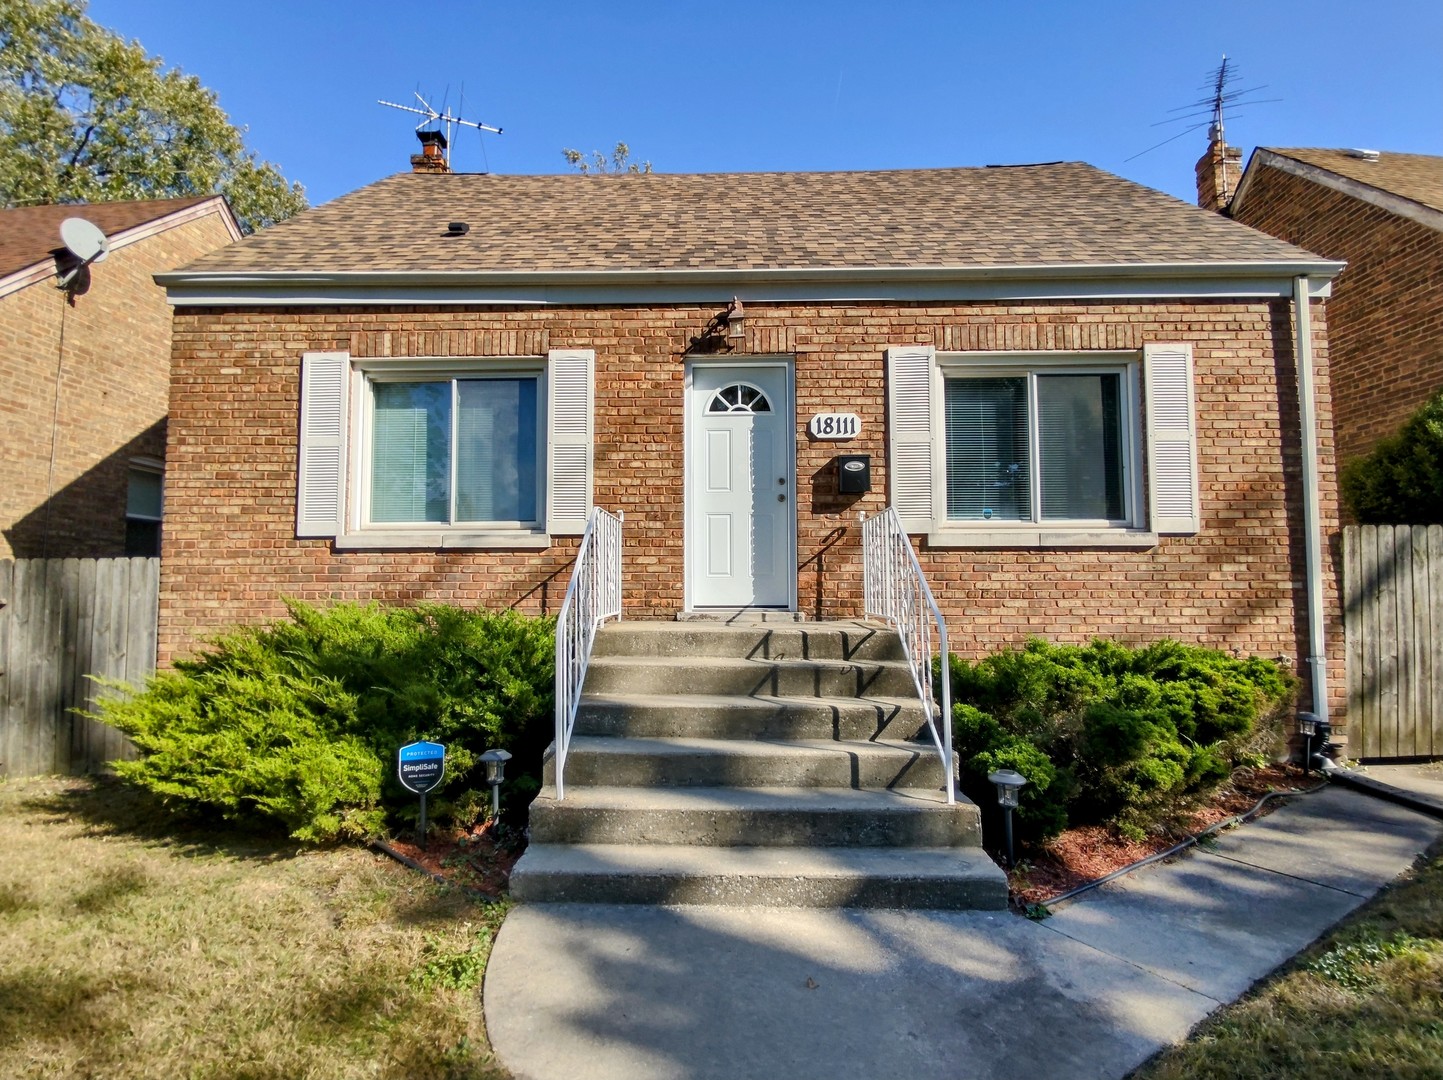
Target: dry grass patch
133, 947
1362, 1002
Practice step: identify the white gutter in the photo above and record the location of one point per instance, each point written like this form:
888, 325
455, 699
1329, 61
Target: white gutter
1320, 269
1060, 281
1312, 525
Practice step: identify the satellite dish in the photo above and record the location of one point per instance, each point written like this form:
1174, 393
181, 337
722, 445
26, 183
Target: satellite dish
86, 242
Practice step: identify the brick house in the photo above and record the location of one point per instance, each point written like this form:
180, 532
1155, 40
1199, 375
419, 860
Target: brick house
1081, 395
1382, 213
85, 374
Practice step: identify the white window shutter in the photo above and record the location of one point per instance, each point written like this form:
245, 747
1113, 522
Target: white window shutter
1171, 440
570, 381
321, 479
910, 435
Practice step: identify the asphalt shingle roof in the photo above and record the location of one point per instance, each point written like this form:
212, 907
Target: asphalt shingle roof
1418, 177
30, 234
1065, 213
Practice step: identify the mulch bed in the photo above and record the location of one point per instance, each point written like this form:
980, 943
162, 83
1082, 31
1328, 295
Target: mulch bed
477, 858
1089, 852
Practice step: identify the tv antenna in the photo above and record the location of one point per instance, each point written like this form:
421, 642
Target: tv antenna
88, 244
444, 116
1219, 99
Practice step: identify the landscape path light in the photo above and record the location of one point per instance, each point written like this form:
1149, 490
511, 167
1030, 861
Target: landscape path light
1009, 791
495, 761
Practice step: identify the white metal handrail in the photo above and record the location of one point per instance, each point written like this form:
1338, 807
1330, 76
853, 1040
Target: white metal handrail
895, 590
593, 596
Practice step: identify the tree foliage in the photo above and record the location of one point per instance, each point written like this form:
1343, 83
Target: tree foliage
1401, 481
597, 162
86, 116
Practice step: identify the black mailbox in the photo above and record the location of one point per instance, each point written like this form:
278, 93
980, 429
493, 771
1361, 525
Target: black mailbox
854, 473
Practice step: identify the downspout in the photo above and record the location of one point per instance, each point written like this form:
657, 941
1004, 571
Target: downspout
1312, 525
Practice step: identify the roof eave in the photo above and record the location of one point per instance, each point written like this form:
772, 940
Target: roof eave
1390, 201
44, 268
544, 287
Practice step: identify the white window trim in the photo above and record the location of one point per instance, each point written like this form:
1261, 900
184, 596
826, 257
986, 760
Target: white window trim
1130, 533
351, 530
364, 373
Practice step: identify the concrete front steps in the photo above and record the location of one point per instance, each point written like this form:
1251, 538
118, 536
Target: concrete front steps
763, 764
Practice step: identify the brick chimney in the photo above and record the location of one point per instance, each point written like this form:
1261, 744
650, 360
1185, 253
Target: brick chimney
432, 158
1218, 173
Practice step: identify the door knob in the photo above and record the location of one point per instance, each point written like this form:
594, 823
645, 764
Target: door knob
781, 498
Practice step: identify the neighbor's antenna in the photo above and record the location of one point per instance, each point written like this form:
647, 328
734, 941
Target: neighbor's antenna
431, 116
1220, 82
1219, 98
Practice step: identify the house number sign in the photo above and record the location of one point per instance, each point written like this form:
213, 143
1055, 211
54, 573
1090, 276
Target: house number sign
835, 425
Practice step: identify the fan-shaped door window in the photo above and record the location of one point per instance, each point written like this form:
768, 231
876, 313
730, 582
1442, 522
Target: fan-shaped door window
739, 398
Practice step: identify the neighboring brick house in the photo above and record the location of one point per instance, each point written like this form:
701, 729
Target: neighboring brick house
85, 374
1080, 394
1382, 213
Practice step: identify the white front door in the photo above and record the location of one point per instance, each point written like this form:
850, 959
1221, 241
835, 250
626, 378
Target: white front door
741, 486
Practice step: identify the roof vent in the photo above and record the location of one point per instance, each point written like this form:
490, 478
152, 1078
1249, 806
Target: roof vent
1366, 155
457, 228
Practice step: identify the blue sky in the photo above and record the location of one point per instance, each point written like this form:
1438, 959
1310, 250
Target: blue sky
746, 86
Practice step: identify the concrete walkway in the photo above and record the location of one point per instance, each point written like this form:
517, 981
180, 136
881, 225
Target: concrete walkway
582, 992
1423, 780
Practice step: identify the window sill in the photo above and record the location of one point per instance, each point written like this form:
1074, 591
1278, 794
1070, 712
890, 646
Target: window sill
443, 539
1042, 538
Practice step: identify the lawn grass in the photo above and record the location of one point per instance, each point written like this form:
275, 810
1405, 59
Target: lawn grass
133, 946
1365, 1001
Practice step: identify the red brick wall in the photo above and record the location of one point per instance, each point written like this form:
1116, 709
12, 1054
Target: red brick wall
231, 553
1386, 316
114, 378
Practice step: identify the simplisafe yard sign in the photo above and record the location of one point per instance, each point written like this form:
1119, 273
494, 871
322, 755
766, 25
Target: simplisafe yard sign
421, 766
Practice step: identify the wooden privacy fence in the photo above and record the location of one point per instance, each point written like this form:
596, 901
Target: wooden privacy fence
64, 619
1393, 615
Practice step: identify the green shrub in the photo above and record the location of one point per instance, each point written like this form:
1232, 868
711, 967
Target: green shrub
1401, 481
299, 721
1107, 734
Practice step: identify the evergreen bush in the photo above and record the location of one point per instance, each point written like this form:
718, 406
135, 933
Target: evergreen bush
1401, 481
299, 721
1107, 734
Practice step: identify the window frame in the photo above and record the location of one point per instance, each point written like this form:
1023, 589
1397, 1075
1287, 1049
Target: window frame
1128, 531
150, 467
362, 532
1029, 367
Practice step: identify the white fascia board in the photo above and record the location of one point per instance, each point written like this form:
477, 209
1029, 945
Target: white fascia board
28, 276
869, 284
214, 205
